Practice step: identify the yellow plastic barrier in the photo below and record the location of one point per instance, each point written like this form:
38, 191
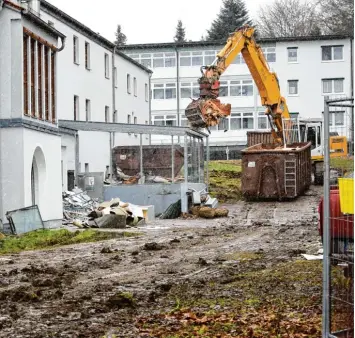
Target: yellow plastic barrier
346, 191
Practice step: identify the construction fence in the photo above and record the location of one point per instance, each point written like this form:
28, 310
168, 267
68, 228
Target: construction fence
337, 220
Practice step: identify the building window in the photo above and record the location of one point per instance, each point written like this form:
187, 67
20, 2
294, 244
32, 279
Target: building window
164, 91
157, 60
209, 57
107, 64
183, 121
129, 119
25, 75
223, 88
53, 96
39, 66
46, 82
338, 118
135, 120
33, 79
87, 55
107, 114
263, 122
332, 53
292, 87
40, 79
165, 120
333, 86
146, 91
76, 108
86, 167
114, 117
88, 110
292, 54
128, 84
146, 60
76, 49
269, 53
115, 76
135, 86
189, 90
241, 88
241, 121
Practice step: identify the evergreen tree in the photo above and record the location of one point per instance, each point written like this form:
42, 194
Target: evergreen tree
120, 37
180, 33
233, 14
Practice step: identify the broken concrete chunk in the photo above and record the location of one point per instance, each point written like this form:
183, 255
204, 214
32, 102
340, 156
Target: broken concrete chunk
153, 246
111, 221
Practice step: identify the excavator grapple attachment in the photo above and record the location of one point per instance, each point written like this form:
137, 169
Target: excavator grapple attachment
204, 113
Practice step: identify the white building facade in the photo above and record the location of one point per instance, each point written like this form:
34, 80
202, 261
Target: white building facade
308, 69
54, 68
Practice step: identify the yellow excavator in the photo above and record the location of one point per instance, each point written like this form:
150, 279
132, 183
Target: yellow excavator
208, 111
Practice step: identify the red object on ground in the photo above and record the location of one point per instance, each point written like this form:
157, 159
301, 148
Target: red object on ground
342, 226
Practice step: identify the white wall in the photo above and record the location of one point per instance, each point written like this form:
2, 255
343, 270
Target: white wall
75, 79
12, 184
50, 201
309, 70
10, 64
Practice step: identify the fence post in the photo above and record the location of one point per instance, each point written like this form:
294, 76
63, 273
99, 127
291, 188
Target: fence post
326, 225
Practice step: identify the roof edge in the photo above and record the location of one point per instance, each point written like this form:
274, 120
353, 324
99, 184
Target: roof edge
64, 17
222, 42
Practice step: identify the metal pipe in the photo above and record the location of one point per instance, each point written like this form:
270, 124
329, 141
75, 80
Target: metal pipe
178, 88
113, 91
326, 227
185, 159
150, 105
77, 166
110, 156
172, 160
207, 162
141, 155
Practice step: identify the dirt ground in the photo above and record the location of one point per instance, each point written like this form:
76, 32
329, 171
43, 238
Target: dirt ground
177, 278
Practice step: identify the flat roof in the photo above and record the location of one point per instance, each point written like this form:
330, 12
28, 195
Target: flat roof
222, 42
129, 128
64, 17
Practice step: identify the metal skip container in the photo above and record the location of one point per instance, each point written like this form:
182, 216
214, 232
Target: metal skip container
274, 172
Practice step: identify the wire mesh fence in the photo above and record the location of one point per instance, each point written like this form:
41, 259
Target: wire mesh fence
337, 221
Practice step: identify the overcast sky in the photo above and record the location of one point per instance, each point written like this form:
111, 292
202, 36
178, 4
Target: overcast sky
145, 21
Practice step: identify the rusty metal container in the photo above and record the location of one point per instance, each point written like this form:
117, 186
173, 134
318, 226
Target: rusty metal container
256, 137
271, 172
156, 159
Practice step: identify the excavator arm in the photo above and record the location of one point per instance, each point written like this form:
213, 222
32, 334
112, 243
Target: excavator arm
207, 110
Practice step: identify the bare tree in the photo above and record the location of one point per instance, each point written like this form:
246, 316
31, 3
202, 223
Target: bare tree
288, 18
337, 16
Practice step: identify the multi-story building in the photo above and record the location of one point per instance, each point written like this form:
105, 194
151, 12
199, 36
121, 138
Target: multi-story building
308, 69
54, 68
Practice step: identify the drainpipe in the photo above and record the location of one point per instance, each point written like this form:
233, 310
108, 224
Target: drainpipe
150, 105
177, 87
112, 135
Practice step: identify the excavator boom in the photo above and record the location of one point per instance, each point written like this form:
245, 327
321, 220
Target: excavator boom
207, 110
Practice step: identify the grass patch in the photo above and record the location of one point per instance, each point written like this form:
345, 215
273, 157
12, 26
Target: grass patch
343, 163
41, 239
225, 180
230, 166
281, 301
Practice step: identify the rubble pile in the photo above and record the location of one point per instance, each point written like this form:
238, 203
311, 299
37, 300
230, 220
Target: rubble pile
84, 212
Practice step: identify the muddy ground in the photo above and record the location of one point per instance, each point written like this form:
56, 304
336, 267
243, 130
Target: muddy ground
168, 280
